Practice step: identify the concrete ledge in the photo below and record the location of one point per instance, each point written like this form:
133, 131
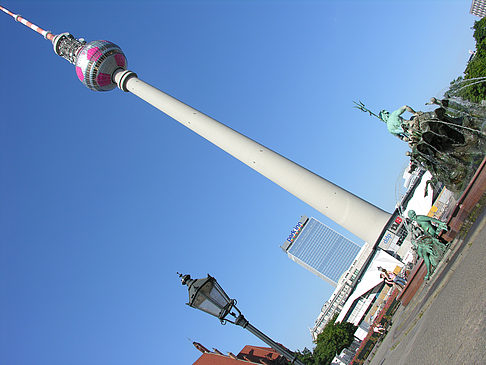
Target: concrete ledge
414, 282
468, 200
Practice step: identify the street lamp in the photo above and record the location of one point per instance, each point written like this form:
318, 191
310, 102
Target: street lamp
207, 295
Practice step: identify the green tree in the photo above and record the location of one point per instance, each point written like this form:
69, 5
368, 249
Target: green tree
306, 356
475, 69
331, 341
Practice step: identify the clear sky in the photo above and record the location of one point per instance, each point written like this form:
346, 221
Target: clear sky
103, 198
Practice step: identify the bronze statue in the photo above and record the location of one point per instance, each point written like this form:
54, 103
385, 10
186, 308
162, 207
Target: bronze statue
397, 125
430, 225
449, 141
427, 243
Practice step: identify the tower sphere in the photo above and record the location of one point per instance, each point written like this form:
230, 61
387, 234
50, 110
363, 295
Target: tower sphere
96, 62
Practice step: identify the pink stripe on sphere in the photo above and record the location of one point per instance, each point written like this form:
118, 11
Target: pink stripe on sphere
93, 53
120, 60
103, 79
79, 72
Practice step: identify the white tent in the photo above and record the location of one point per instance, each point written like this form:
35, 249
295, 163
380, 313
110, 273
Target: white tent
370, 279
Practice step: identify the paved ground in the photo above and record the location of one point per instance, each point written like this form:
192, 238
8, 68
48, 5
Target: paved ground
445, 323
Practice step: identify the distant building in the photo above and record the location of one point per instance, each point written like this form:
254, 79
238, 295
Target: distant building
361, 292
320, 249
338, 298
247, 356
478, 8
262, 355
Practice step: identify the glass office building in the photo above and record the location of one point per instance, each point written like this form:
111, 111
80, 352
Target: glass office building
478, 8
320, 249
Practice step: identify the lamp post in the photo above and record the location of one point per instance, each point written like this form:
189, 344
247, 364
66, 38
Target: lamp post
207, 295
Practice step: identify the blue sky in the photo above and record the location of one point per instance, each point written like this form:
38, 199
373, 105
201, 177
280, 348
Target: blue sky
103, 198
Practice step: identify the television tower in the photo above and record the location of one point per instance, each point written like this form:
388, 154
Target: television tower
101, 66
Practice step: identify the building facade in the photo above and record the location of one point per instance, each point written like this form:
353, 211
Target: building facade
248, 355
478, 8
345, 285
320, 249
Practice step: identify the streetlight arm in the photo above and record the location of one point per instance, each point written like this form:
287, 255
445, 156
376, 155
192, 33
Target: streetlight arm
289, 355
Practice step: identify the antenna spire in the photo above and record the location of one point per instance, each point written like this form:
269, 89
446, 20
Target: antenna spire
45, 33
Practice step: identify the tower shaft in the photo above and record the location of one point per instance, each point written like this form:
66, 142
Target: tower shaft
101, 65
353, 213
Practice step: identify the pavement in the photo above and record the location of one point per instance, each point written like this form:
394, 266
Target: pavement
445, 322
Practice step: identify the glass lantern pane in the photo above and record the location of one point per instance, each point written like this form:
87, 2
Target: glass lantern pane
208, 306
218, 296
211, 298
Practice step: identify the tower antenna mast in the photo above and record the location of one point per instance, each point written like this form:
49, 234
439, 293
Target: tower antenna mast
45, 33
102, 66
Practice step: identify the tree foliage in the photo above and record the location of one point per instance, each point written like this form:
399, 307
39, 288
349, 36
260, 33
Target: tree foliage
330, 342
476, 68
